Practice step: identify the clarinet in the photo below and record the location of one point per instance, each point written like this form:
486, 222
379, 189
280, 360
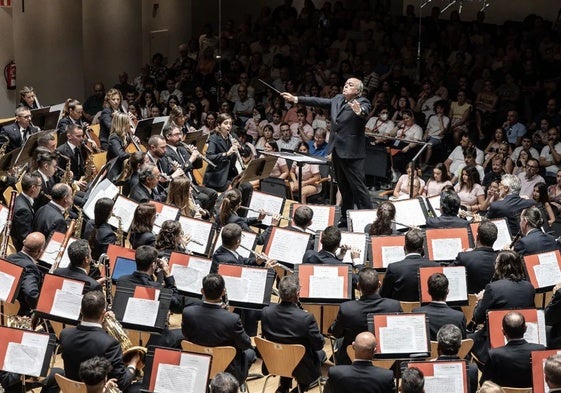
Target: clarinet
515, 240
104, 259
8, 226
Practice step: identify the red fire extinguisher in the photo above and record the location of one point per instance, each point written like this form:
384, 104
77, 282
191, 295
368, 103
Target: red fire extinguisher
10, 75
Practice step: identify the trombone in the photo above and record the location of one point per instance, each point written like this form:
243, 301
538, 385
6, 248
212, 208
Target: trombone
263, 212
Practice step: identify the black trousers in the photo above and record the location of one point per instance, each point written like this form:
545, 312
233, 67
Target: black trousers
349, 174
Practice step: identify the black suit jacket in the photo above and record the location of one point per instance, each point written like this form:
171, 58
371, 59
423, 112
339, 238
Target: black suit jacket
77, 160
446, 221
535, 242
347, 129
31, 281
285, 323
223, 255
401, 281
359, 377
553, 319
480, 267
84, 342
210, 325
49, 219
219, 177
44, 196
141, 239
439, 315
105, 118
182, 157
320, 257
510, 365
63, 125
510, 207
22, 224
12, 132
352, 320
76, 273
104, 236
141, 194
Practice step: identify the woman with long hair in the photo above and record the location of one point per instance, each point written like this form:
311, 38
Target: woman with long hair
71, 114
470, 191
140, 232
97, 231
383, 224
180, 196
129, 176
118, 141
542, 202
111, 106
439, 179
170, 239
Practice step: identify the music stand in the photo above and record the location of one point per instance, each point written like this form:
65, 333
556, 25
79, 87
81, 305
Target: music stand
324, 284
257, 169
60, 299
238, 279
10, 280
189, 271
197, 139
26, 151
144, 129
39, 115
400, 335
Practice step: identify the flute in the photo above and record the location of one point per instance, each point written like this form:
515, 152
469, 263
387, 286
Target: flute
264, 212
191, 148
405, 225
264, 256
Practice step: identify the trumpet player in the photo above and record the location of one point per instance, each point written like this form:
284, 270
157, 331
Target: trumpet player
330, 242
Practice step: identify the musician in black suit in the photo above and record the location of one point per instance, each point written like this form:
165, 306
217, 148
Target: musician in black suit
71, 115
22, 223
534, 241
402, 278
209, 324
437, 310
449, 206
17, 133
80, 257
98, 232
553, 318
480, 262
188, 160
71, 151
330, 242
352, 316
46, 168
361, 376
510, 365
111, 105
449, 338
156, 155
511, 205
147, 187
50, 218
301, 221
348, 113
88, 340
32, 277
286, 323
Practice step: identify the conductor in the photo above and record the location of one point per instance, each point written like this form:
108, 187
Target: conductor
348, 112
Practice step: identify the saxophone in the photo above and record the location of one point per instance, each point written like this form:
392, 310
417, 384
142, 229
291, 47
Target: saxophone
120, 232
79, 223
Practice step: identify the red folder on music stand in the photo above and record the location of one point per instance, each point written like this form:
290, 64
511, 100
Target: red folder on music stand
387, 249
400, 335
445, 244
239, 278
544, 269
457, 280
189, 271
60, 299
114, 251
538, 362
10, 280
324, 284
535, 324
324, 216
442, 373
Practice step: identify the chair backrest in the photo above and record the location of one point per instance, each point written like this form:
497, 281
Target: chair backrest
517, 390
280, 359
382, 363
409, 306
468, 310
221, 356
70, 386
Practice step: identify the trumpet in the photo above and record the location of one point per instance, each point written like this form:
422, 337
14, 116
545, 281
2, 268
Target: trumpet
263, 212
191, 148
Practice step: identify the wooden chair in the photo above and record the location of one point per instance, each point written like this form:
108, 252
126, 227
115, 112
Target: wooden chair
382, 363
280, 359
466, 346
468, 310
409, 306
70, 386
221, 356
517, 390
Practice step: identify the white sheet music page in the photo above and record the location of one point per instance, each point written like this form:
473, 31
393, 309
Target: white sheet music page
105, 189
258, 279
288, 246
65, 261
503, 235
248, 241
141, 311
361, 218
190, 278
446, 249
123, 208
172, 379
392, 254
27, 356
547, 270
448, 377
355, 240
167, 213
434, 202
326, 283
201, 364
404, 334
237, 288
409, 212
199, 230
321, 217
4, 216
68, 300
6, 282
457, 287
269, 203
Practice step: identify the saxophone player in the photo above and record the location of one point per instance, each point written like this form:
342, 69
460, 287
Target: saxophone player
51, 217
18, 132
71, 152
24, 212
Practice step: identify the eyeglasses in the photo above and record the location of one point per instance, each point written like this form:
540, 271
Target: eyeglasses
532, 166
26, 117
38, 185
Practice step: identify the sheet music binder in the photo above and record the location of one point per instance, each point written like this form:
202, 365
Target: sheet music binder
47, 294
432, 380
379, 256
11, 270
236, 271
357, 217
504, 237
179, 259
12, 335
306, 271
114, 251
426, 272
377, 322
249, 240
531, 315
144, 129
194, 226
538, 362
259, 201
162, 355
196, 139
364, 251
412, 212
122, 295
295, 256
442, 234
543, 270
258, 168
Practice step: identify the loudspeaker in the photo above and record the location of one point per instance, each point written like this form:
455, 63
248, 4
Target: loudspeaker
377, 162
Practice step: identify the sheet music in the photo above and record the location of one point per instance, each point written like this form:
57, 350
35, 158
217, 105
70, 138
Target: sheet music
327, 287
167, 213
65, 261
141, 311
288, 246
51, 251
23, 359
361, 218
172, 379
542, 339
446, 249
237, 288
269, 203
6, 282
503, 235
190, 278
392, 254
321, 217
355, 240
434, 202
67, 304
409, 212
248, 241
105, 189
202, 366
547, 270
404, 334
4, 216
457, 283
123, 208
249, 288
199, 230
448, 377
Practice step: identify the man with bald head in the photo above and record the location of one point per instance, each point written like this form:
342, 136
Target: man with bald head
32, 277
361, 376
349, 113
50, 218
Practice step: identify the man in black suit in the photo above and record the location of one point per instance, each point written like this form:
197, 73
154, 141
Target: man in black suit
412, 381
147, 187
510, 365
209, 324
50, 218
156, 155
361, 376
348, 113
437, 310
71, 151
32, 277
286, 323
46, 168
352, 316
449, 206
402, 278
22, 223
511, 205
552, 373
80, 257
175, 151
88, 340
330, 242
449, 338
480, 262
301, 221
534, 241
16, 134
